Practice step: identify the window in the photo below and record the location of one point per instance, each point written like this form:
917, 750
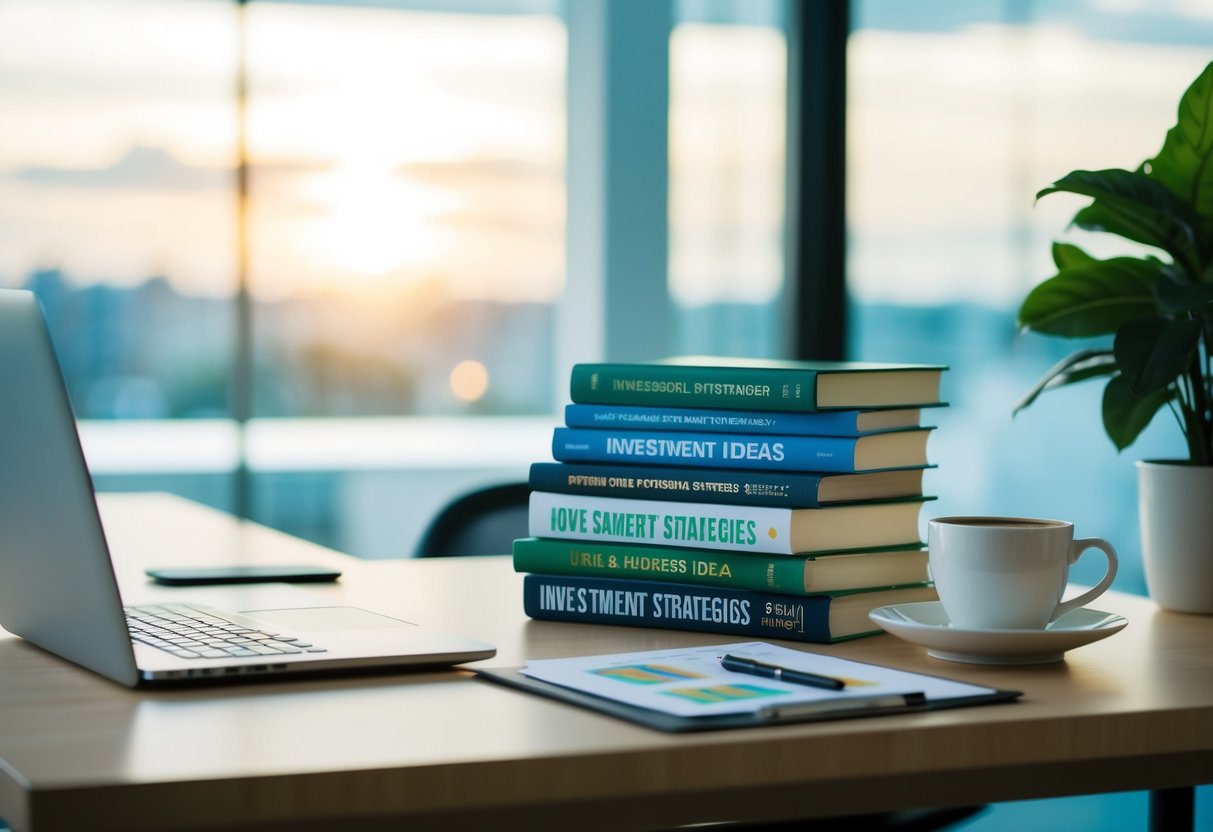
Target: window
728, 104
400, 258
958, 114
407, 207
116, 195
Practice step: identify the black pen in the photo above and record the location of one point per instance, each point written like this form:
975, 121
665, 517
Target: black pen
740, 664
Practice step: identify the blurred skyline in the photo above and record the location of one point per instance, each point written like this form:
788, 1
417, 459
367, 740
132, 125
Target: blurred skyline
392, 179
377, 150
379, 154
424, 166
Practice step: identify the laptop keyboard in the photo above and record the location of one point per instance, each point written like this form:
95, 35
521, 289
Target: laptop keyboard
191, 633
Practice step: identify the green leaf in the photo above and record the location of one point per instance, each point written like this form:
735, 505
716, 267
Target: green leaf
1185, 163
1152, 352
1079, 366
1092, 299
1173, 297
1066, 255
1133, 205
1126, 415
1098, 219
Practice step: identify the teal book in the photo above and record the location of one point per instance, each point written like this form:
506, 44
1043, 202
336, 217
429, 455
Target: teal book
790, 574
756, 384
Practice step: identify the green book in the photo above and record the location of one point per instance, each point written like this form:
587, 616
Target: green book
787, 574
757, 384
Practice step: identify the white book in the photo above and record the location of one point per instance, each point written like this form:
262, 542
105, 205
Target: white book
779, 531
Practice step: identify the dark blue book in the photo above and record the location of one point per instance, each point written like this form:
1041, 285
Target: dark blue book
778, 489
703, 420
822, 619
827, 454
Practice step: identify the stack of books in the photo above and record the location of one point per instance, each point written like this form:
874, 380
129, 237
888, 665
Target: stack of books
759, 498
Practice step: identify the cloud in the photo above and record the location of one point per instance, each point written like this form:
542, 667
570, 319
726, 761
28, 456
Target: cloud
141, 168
471, 171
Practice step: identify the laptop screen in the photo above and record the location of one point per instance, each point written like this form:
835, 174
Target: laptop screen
57, 585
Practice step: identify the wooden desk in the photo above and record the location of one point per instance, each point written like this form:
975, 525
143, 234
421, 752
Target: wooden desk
446, 751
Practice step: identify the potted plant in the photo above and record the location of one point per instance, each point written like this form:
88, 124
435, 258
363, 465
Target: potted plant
1159, 309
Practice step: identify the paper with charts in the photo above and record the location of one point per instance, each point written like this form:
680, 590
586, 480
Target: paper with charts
690, 682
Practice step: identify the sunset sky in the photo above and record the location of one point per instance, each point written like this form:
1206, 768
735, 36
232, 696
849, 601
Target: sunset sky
382, 152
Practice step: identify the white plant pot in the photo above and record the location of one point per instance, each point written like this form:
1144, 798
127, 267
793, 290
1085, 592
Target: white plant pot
1175, 501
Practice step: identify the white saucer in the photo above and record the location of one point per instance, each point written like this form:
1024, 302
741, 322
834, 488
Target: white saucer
927, 624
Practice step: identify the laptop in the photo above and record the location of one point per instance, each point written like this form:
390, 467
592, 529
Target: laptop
58, 589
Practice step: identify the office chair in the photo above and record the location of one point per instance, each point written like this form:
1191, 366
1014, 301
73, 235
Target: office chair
481, 522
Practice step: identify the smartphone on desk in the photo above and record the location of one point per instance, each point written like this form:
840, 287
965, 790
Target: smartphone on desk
201, 575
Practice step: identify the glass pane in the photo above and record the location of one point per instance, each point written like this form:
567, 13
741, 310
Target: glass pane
959, 113
728, 97
116, 196
407, 208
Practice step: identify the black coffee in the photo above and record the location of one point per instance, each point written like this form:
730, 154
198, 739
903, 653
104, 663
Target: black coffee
1000, 522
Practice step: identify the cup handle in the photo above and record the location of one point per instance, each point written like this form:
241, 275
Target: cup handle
1100, 588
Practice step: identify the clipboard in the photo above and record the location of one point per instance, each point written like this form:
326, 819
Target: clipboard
762, 714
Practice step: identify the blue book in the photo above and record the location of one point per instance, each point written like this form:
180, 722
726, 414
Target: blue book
823, 618
897, 449
738, 486
827, 423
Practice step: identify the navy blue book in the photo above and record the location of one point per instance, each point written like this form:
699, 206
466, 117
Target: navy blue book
778, 489
826, 423
821, 619
830, 454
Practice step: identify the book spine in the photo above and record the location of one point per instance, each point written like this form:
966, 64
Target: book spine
825, 454
709, 567
678, 607
661, 523
730, 388
776, 489
832, 423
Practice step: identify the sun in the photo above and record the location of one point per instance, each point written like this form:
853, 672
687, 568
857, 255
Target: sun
372, 221
469, 380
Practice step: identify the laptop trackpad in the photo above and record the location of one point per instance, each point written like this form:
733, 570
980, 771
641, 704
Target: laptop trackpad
317, 619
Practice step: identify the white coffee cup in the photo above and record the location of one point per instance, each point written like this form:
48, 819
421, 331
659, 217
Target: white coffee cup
1008, 573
